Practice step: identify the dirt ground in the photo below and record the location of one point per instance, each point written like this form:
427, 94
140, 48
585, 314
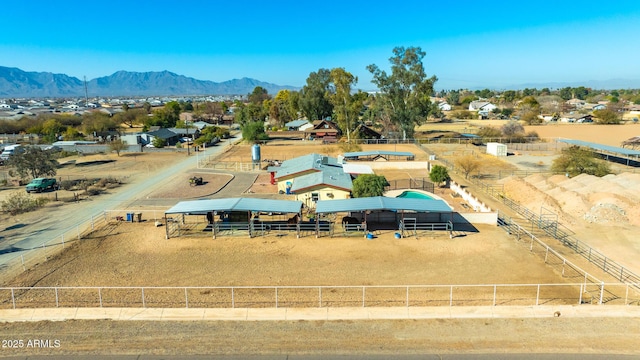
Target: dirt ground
138, 255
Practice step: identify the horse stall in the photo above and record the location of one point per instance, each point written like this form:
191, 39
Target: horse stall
239, 216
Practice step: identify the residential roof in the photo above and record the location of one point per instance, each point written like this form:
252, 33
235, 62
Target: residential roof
162, 133
382, 203
601, 147
296, 123
315, 162
201, 207
330, 177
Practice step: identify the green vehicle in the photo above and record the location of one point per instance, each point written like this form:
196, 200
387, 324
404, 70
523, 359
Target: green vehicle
42, 184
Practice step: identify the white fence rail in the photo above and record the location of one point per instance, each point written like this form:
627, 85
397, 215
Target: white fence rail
317, 296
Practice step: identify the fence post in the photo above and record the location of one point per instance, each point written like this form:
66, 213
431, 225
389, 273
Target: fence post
186, 298
56, 290
407, 296
144, 305
563, 263
233, 299
495, 288
621, 273
581, 292
546, 254
320, 296
363, 296
626, 295
538, 295
100, 295
13, 298
601, 293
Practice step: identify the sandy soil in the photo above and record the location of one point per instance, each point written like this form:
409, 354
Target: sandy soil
137, 254
603, 212
612, 135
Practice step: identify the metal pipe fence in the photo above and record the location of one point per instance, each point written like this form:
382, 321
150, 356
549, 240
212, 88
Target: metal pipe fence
554, 229
318, 296
26, 258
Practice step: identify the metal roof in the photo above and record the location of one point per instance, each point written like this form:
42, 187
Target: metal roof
600, 147
377, 153
201, 207
331, 177
296, 123
305, 163
382, 203
351, 168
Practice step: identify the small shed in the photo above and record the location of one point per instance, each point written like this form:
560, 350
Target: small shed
496, 149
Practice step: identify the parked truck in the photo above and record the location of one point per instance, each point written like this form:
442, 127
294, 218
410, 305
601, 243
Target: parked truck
42, 184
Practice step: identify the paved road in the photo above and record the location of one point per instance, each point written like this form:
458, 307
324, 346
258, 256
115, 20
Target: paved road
33, 235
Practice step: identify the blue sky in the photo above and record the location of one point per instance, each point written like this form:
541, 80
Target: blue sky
469, 44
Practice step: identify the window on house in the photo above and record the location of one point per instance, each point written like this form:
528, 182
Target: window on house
315, 196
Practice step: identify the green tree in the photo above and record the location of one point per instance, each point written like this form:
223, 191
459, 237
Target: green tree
147, 107
341, 99
576, 160
117, 146
33, 162
407, 90
369, 185
258, 95
531, 118
314, 96
606, 116
509, 96
253, 131
281, 110
439, 174
158, 143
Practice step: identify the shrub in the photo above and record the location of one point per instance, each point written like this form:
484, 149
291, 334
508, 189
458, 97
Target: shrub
350, 147
19, 202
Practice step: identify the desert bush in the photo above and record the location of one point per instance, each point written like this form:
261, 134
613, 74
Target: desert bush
68, 184
19, 202
350, 147
93, 191
106, 182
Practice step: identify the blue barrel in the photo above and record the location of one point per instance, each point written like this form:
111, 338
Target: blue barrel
398, 235
130, 217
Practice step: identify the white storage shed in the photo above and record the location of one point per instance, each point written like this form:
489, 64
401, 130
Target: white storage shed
496, 149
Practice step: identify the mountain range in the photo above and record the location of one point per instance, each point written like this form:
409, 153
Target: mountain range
15, 82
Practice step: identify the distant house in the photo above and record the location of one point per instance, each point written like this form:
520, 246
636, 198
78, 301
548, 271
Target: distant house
295, 124
481, 106
575, 103
363, 131
444, 106
170, 137
324, 130
577, 118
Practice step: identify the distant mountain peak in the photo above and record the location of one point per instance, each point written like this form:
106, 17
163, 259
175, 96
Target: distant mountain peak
15, 82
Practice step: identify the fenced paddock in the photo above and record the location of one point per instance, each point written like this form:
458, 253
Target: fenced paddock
315, 296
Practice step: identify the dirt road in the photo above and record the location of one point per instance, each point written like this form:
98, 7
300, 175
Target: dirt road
382, 337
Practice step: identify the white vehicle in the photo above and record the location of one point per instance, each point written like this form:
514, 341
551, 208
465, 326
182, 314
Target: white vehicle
10, 150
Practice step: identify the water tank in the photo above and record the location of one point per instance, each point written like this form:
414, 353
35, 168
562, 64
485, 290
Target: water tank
255, 153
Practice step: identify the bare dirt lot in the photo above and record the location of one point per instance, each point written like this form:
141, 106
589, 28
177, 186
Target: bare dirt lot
137, 254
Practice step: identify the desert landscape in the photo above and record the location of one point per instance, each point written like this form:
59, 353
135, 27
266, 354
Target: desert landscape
601, 211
